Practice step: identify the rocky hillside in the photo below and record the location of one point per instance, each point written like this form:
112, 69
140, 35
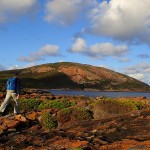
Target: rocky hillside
75, 76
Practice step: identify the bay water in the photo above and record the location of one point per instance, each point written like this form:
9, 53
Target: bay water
99, 93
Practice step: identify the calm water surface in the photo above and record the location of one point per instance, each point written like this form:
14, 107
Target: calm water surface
97, 93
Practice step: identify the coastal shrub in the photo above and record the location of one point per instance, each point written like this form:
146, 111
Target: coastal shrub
81, 113
139, 105
73, 113
108, 107
29, 104
48, 121
44, 105
60, 104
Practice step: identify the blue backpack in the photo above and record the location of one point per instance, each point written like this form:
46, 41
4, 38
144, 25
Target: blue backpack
11, 84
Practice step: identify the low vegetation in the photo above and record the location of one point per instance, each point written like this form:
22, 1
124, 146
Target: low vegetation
77, 109
60, 104
48, 121
73, 114
107, 107
104, 108
29, 104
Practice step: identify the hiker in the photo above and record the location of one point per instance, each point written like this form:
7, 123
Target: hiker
13, 89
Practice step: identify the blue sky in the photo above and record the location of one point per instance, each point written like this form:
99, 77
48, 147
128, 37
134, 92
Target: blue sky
114, 34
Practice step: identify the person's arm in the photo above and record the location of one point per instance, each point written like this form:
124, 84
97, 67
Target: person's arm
18, 90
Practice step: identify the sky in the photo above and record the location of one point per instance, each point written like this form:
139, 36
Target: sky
114, 34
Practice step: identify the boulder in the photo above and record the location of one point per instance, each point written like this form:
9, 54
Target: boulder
21, 118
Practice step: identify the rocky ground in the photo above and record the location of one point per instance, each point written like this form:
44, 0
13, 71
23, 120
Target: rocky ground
128, 131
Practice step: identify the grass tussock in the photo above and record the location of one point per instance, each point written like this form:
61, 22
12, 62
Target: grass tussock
73, 114
48, 121
110, 107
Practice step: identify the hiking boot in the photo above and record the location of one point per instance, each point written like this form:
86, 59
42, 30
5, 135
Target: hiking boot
17, 114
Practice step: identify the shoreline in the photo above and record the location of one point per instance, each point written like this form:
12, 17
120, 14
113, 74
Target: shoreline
93, 90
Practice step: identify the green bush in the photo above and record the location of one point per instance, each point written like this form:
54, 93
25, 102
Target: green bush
60, 104
29, 104
44, 105
81, 113
72, 114
108, 107
48, 121
138, 104
117, 106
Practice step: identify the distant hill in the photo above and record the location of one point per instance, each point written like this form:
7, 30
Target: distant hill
67, 75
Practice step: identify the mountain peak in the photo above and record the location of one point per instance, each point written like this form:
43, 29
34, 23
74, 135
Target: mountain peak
69, 75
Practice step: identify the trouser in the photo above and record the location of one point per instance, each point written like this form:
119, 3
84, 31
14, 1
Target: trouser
9, 95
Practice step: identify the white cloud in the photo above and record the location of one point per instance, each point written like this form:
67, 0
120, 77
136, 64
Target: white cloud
98, 50
47, 50
30, 65
108, 49
2, 67
131, 70
145, 67
139, 71
141, 76
104, 66
138, 76
66, 11
122, 19
124, 59
10, 10
14, 67
79, 46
